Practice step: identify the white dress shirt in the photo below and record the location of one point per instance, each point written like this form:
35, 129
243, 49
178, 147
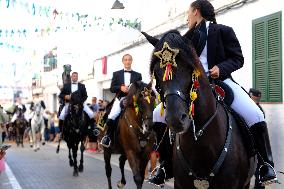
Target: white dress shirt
203, 56
74, 87
127, 76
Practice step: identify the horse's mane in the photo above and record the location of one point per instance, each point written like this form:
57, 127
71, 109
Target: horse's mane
186, 53
135, 87
76, 98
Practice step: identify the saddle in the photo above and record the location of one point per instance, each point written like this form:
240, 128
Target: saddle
225, 96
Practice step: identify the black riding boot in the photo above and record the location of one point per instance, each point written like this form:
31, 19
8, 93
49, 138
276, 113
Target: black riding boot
165, 170
106, 140
93, 127
266, 172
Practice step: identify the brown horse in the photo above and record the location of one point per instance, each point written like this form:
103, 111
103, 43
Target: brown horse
135, 137
209, 151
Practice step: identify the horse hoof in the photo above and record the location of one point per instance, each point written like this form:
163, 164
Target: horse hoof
120, 184
35, 150
71, 163
57, 150
81, 168
43, 143
31, 145
75, 174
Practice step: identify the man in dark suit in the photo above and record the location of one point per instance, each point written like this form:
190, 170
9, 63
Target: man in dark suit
65, 95
120, 85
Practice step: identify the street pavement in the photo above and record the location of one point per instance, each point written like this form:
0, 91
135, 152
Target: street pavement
47, 170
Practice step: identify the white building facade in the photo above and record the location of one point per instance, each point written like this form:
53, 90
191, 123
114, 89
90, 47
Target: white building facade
257, 24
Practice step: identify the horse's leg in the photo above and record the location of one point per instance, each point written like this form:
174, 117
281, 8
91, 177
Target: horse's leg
17, 137
122, 160
134, 163
31, 137
82, 148
71, 162
42, 129
22, 136
74, 153
107, 156
34, 137
143, 164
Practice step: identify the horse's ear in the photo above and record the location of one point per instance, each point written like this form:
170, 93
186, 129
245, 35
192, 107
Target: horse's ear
149, 85
151, 39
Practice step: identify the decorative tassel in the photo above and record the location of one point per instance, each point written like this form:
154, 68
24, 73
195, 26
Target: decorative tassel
162, 110
148, 99
168, 75
136, 107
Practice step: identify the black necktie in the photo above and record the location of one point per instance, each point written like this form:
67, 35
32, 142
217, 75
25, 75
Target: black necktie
199, 37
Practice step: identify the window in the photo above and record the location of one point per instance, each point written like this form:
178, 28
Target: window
267, 57
50, 61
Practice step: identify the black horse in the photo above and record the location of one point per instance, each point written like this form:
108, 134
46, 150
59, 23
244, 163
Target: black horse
135, 138
75, 130
20, 126
209, 151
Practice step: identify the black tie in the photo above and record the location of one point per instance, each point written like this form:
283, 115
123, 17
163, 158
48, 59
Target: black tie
127, 71
199, 37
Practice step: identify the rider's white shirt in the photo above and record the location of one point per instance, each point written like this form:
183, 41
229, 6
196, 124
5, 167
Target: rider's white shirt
74, 87
127, 76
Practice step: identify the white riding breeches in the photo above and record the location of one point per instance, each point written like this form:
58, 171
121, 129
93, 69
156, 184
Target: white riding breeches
116, 109
242, 104
86, 109
15, 116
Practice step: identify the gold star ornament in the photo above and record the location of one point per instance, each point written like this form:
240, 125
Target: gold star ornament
167, 55
167, 58
147, 94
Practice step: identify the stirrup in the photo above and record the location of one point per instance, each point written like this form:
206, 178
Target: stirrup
267, 182
96, 132
107, 146
151, 176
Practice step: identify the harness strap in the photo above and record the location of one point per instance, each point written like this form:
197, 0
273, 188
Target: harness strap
220, 159
200, 132
226, 146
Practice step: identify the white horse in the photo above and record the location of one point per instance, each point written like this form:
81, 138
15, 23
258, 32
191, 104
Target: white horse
37, 127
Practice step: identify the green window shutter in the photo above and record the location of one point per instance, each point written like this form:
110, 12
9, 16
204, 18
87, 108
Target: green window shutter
260, 77
274, 58
267, 57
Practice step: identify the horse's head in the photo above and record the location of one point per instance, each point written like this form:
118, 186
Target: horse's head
142, 99
174, 64
76, 104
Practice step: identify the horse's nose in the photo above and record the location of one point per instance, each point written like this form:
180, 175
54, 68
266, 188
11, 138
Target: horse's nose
178, 119
183, 117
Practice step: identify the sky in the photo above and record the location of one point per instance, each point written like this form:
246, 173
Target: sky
25, 19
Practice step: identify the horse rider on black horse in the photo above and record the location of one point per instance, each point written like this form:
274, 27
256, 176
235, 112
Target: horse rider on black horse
65, 95
206, 35
120, 85
19, 107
